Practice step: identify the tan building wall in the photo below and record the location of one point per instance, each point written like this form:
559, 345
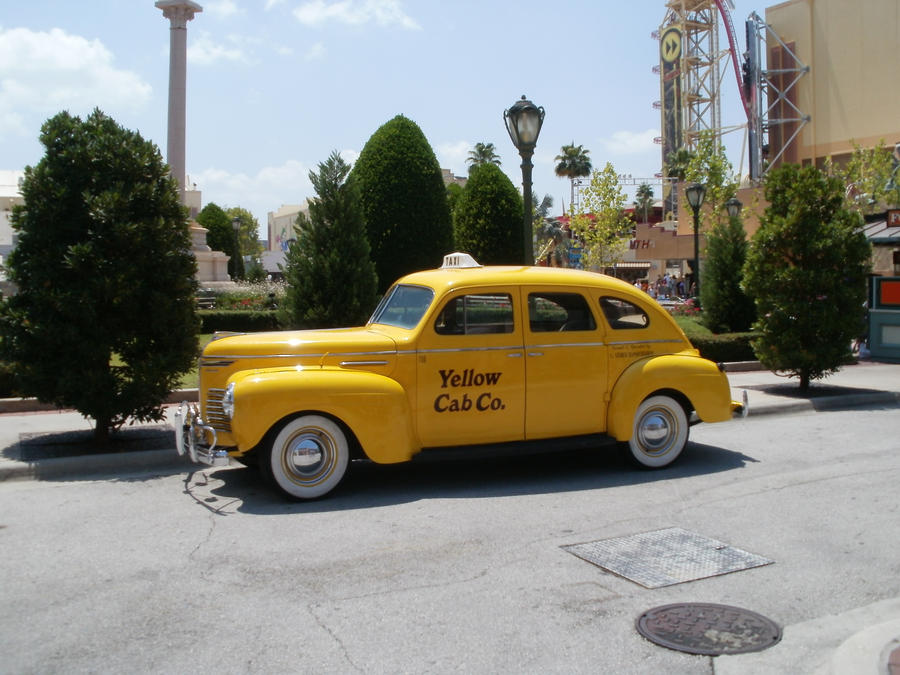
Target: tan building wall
851, 91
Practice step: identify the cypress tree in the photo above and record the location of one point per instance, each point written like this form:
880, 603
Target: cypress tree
330, 276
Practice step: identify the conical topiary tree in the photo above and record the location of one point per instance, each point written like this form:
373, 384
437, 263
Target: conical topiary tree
404, 201
487, 219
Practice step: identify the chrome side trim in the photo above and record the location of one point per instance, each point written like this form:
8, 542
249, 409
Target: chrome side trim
643, 342
567, 344
348, 364
302, 355
469, 349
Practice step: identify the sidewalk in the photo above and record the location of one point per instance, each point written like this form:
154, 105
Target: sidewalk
864, 640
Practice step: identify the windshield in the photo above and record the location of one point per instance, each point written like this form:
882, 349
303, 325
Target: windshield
403, 306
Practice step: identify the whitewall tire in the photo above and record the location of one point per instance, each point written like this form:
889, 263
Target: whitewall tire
308, 457
659, 433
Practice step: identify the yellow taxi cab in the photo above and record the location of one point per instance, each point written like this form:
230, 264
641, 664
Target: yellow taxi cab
461, 356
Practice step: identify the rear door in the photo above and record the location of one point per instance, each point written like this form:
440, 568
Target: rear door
565, 364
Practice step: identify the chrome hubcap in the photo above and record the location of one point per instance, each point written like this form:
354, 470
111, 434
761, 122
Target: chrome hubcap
655, 431
308, 454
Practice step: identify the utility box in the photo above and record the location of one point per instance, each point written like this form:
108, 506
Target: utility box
884, 319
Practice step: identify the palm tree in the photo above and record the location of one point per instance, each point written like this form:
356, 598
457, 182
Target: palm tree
573, 163
644, 199
484, 153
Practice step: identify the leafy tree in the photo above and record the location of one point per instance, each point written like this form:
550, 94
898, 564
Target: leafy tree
872, 177
103, 321
807, 270
677, 163
484, 153
644, 200
726, 308
709, 165
601, 222
404, 201
454, 192
487, 221
573, 162
330, 278
220, 235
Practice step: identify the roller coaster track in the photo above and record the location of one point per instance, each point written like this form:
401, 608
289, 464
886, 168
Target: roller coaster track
732, 42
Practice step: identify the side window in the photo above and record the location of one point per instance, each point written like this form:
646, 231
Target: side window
623, 315
476, 315
549, 312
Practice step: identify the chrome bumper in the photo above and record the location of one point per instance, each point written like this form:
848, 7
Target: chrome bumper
741, 409
192, 434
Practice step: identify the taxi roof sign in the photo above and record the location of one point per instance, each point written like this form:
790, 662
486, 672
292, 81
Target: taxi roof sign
458, 261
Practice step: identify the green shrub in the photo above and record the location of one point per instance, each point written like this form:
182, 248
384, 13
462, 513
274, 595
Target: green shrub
238, 321
726, 347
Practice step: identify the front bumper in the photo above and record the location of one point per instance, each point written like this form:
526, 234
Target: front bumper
196, 438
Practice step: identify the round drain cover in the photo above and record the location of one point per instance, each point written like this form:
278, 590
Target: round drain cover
703, 628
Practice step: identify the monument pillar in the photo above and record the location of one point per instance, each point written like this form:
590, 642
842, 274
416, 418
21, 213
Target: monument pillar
178, 12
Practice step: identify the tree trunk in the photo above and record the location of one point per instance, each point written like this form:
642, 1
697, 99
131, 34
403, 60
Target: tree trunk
804, 381
101, 433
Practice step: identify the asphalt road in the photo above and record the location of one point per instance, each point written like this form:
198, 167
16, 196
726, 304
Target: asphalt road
448, 567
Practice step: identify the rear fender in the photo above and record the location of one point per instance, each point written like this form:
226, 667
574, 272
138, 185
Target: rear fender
696, 380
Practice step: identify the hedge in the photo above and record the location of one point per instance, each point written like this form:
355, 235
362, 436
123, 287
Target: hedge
237, 320
725, 347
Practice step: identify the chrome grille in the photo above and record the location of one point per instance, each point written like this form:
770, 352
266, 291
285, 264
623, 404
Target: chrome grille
215, 415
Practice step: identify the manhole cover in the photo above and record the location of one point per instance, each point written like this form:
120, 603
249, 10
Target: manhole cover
703, 628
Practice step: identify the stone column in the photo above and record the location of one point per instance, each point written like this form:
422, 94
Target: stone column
178, 12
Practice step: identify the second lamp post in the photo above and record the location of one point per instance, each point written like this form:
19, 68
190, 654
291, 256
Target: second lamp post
523, 122
695, 193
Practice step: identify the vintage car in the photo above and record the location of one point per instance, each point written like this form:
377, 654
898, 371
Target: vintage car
463, 356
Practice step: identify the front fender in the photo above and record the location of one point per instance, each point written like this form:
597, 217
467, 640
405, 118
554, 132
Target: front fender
699, 380
373, 406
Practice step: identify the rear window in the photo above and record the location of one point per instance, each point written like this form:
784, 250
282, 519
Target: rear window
623, 315
479, 314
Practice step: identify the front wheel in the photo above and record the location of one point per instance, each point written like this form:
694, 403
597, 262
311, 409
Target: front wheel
308, 457
660, 432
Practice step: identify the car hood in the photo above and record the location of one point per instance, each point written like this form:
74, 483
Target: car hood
308, 343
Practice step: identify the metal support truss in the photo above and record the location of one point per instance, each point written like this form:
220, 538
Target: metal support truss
771, 107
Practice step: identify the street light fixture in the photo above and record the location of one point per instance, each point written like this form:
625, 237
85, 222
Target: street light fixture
696, 193
734, 207
523, 122
236, 224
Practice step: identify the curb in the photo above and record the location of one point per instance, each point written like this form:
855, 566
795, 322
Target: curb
843, 402
82, 466
22, 405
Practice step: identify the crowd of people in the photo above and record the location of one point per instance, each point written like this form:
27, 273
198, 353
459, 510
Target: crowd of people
666, 286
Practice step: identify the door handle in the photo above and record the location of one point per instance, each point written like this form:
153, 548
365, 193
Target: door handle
535, 353
514, 355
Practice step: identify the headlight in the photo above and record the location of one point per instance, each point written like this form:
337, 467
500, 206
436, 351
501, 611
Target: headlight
228, 401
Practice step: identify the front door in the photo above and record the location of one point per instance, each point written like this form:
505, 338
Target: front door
471, 371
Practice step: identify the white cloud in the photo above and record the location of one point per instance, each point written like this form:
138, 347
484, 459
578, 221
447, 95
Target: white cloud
631, 142
452, 155
221, 8
272, 3
204, 51
44, 72
355, 13
315, 53
265, 191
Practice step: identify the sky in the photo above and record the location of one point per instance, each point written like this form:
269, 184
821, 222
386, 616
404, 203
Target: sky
274, 86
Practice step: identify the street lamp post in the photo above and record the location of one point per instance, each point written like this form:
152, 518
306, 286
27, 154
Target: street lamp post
734, 206
695, 193
523, 122
236, 224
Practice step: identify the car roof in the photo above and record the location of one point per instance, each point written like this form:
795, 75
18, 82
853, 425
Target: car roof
448, 278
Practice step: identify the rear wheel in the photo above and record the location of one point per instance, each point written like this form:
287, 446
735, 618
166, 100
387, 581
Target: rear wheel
308, 457
660, 432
